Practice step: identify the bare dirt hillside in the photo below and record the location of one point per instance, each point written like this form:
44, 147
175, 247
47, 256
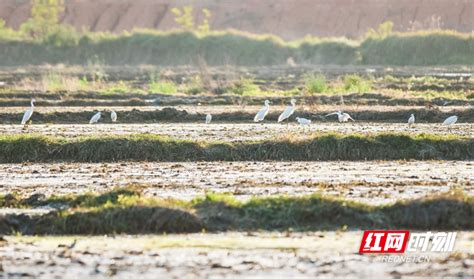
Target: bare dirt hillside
288, 19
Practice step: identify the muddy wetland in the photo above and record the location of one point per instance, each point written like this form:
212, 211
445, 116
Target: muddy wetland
160, 192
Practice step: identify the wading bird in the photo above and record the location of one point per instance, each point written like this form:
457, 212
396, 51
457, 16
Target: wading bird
208, 118
95, 118
262, 112
113, 116
450, 120
342, 116
411, 120
303, 121
28, 114
289, 110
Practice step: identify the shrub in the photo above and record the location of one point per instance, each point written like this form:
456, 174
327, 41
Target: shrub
61, 36
383, 30
187, 22
44, 18
315, 83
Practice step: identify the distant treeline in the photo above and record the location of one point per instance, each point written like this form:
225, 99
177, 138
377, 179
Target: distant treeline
237, 48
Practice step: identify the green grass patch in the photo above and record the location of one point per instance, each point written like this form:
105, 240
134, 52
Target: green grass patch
146, 147
163, 87
128, 211
159, 85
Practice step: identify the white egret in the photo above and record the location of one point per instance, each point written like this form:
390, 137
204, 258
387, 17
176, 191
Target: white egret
262, 112
289, 110
208, 118
342, 116
28, 113
113, 116
450, 120
95, 118
303, 121
411, 120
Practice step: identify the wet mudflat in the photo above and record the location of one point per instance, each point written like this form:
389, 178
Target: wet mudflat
373, 182
263, 255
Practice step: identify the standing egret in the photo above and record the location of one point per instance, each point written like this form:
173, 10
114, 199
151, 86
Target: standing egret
289, 110
303, 121
411, 120
450, 120
113, 116
342, 116
208, 118
262, 112
28, 114
95, 118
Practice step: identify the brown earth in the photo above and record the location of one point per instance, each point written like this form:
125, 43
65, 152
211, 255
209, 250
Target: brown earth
288, 19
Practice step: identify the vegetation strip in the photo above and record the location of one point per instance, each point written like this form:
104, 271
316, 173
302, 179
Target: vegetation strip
147, 147
232, 47
125, 210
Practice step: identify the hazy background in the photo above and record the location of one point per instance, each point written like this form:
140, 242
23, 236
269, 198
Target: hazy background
288, 19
